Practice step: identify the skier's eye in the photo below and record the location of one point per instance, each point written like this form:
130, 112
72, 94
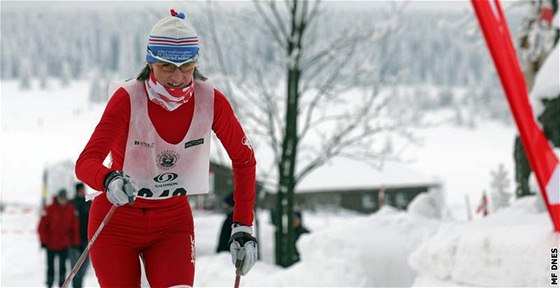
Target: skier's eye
167, 67
187, 67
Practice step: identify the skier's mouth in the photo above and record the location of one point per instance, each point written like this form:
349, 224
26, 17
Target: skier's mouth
175, 85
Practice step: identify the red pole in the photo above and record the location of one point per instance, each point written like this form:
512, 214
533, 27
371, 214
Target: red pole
237, 280
238, 264
541, 157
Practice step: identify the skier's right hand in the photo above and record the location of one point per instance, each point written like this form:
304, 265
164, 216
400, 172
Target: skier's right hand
120, 188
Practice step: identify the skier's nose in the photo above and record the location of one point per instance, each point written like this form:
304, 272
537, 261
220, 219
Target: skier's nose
176, 76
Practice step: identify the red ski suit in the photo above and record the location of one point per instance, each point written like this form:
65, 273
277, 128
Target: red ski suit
161, 232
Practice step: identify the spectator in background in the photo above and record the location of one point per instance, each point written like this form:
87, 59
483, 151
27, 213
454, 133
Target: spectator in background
298, 231
226, 226
82, 209
58, 231
538, 38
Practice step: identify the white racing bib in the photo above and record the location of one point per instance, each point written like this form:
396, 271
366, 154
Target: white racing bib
160, 169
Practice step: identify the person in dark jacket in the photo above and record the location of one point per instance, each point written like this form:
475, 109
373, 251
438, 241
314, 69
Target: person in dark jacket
226, 226
82, 209
58, 231
298, 231
550, 122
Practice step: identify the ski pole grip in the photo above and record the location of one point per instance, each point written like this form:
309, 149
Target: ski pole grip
240, 257
239, 261
129, 192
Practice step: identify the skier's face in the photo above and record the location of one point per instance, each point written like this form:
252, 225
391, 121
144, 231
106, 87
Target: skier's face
62, 200
172, 76
81, 193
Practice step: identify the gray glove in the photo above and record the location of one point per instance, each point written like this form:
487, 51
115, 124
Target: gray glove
243, 248
120, 188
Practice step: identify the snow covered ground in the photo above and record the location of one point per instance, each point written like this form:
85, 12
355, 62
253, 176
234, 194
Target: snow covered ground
389, 248
509, 248
337, 259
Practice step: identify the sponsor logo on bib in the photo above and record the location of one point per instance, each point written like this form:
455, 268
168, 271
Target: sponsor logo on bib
194, 143
165, 177
167, 159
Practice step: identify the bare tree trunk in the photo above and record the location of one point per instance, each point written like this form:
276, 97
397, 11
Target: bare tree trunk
312, 73
285, 242
285, 202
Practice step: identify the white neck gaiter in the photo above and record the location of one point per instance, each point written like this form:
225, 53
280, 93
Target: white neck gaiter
169, 99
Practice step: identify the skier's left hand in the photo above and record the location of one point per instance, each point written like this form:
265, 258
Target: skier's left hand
243, 248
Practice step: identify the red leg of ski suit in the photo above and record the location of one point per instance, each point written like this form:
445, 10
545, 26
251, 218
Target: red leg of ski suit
163, 238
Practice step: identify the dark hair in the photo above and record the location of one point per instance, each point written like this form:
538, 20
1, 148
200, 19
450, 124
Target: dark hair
145, 74
62, 193
229, 199
297, 213
79, 186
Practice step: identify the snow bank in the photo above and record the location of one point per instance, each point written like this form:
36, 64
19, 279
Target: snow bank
348, 251
372, 251
427, 205
509, 248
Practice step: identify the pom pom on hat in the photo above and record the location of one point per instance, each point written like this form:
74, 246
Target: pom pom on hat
179, 15
172, 40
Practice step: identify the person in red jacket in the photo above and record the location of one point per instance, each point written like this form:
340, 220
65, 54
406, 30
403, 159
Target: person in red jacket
58, 231
156, 129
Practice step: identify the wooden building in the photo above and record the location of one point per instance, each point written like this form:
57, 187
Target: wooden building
354, 185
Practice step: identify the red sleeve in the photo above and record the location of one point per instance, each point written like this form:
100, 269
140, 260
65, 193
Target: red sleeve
233, 138
109, 135
42, 229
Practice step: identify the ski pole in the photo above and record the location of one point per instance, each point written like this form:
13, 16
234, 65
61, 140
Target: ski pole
238, 264
84, 255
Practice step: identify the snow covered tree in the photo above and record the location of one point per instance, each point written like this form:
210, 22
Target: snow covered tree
65, 74
99, 87
499, 188
43, 77
25, 74
295, 103
126, 57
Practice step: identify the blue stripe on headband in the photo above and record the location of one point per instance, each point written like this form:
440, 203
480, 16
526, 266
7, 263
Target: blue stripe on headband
159, 46
172, 53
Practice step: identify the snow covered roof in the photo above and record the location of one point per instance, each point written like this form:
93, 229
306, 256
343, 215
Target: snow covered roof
346, 174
